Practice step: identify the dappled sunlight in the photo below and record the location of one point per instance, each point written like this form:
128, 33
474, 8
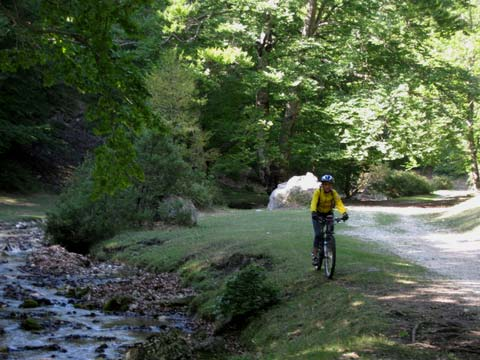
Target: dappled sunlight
400, 296
409, 235
346, 349
335, 349
194, 266
358, 303
6, 200
441, 310
405, 282
402, 264
111, 245
439, 314
460, 208
400, 210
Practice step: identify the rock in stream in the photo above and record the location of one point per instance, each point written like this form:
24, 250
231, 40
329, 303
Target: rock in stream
52, 302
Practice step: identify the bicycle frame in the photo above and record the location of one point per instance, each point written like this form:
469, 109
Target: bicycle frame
327, 251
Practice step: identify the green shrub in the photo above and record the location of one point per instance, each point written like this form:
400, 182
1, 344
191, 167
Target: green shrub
118, 303
30, 324
395, 183
29, 304
79, 221
233, 166
246, 293
168, 173
441, 183
204, 194
176, 210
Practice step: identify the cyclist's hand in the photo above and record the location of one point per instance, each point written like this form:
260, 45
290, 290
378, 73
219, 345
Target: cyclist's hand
314, 216
345, 217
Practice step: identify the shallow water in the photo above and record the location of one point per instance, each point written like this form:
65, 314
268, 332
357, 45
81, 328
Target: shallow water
68, 332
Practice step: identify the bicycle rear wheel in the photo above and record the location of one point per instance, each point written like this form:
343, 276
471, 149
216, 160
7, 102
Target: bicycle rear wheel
329, 257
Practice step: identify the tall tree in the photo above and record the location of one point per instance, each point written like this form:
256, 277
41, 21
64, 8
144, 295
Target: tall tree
84, 44
462, 53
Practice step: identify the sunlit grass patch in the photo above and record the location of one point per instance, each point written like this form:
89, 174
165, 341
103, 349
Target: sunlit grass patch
418, 198
465, 221
16, 207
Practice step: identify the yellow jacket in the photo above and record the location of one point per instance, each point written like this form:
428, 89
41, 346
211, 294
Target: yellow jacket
323, 202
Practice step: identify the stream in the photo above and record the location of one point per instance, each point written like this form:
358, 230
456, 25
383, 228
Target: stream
57, 328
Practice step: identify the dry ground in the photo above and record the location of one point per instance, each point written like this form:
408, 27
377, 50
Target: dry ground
443, 310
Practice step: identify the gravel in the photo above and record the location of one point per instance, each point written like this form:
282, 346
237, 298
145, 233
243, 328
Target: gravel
453, 258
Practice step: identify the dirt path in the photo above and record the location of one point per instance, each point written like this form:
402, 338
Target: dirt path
455, 257
442, 311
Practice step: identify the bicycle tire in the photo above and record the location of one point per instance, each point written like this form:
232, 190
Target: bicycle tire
320, 261
329, 257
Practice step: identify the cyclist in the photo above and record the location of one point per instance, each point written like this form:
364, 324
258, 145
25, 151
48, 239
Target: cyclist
324, 199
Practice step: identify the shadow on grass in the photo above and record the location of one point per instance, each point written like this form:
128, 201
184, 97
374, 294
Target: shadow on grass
433, 316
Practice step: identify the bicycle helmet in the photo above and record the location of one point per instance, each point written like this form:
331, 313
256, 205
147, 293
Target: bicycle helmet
327, 179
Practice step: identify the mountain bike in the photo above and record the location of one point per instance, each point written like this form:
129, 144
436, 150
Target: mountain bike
327, 252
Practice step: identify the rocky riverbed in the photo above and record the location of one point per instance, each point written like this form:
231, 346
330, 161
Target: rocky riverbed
56, 304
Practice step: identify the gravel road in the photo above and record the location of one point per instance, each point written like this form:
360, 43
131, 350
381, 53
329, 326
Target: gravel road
453, 258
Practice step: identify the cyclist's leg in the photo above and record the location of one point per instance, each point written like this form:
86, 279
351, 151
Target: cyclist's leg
317, 238
321, 235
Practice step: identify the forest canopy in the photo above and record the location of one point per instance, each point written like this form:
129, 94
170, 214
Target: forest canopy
258, 90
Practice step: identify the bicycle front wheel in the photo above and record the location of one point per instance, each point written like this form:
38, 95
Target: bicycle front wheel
329, 257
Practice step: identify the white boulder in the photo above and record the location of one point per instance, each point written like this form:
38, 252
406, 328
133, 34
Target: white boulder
296, 192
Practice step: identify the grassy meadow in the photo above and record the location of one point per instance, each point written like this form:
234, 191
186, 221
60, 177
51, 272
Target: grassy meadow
16, 207
347, 318
315, 318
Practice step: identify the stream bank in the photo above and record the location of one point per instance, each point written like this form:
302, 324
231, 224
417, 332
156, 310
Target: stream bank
56, 304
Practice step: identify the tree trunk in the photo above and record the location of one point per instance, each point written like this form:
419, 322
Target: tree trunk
292, 110
310, 22
264, 45
316, 14
472, 145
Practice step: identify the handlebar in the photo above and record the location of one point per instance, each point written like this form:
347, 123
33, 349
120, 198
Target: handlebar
337, 220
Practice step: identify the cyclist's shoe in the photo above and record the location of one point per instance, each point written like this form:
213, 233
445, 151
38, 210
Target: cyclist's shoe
315, 261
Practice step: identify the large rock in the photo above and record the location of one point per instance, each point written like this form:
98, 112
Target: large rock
296, 192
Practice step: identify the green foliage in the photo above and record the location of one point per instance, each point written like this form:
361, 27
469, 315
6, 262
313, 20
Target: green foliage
175, 210
223, 77
28, 130
395, 183
175, 101
168, 173
80, 220
246, 293
30, 324
29, 304
359, 79
81, 44
441, 183
118, 303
